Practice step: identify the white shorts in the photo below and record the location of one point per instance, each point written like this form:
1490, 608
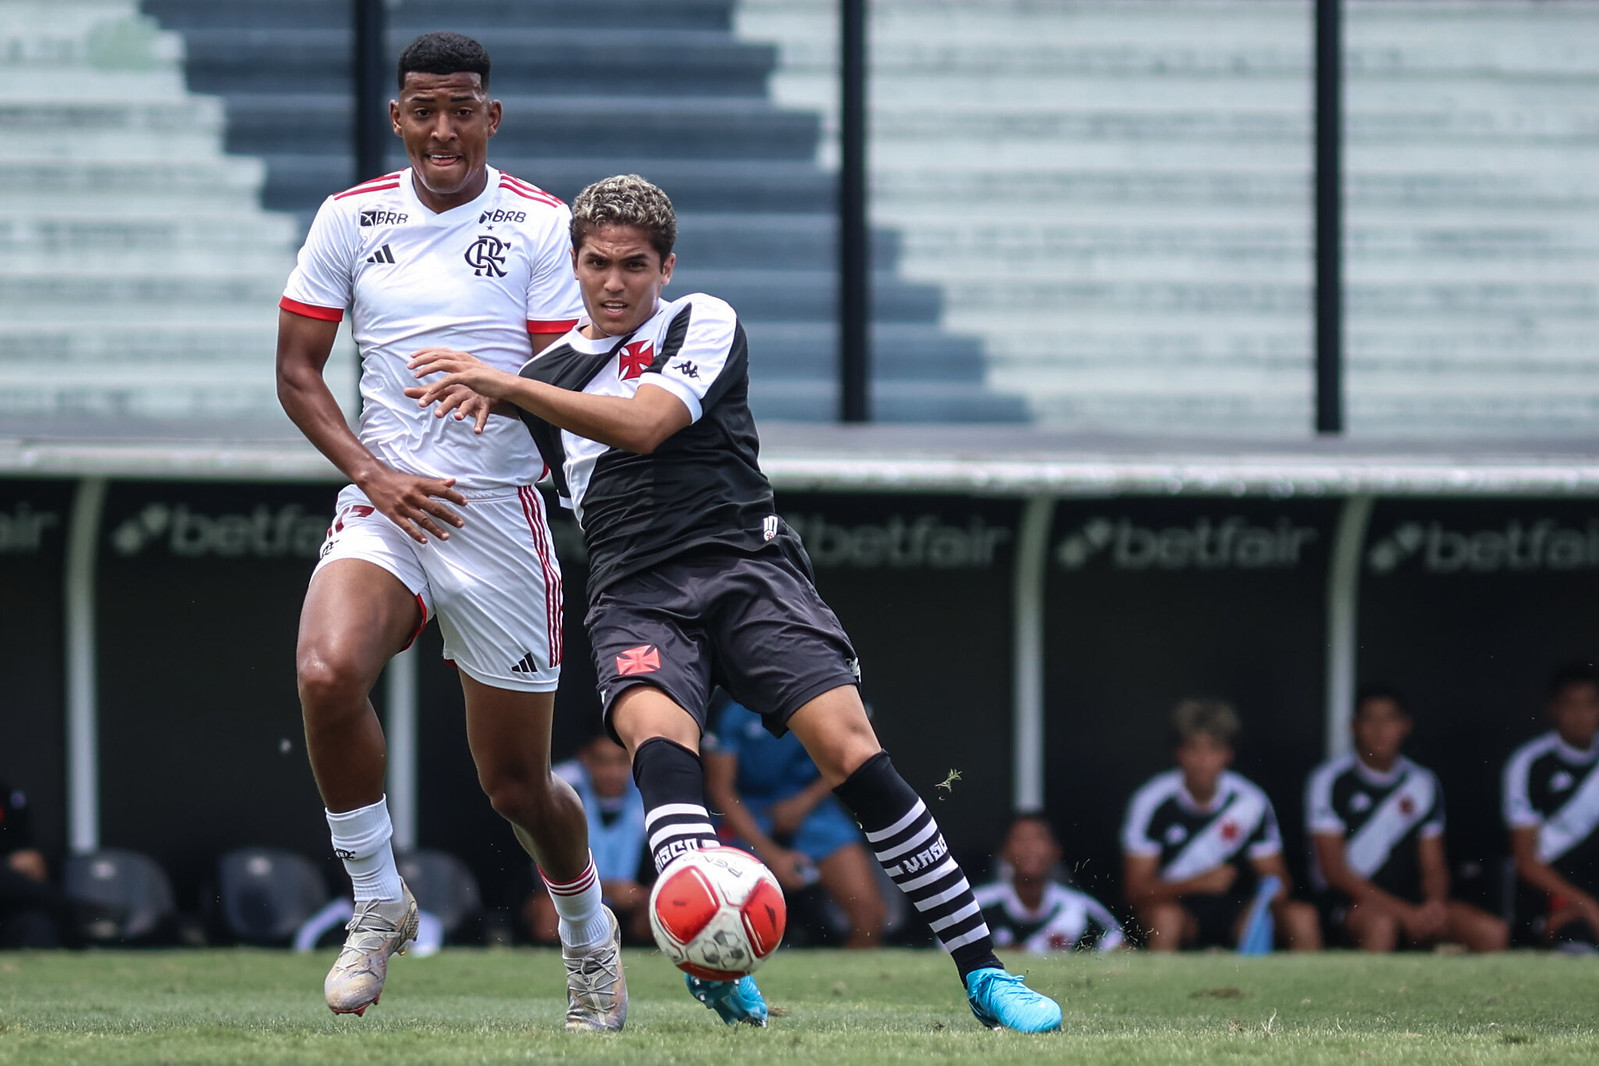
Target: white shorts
495, 585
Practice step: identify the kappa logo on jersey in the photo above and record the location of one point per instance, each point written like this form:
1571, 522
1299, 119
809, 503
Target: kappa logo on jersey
635, 359
1360, 802
644, 659
499, 215
382, 255
769, 527
486, 257
1561, 781
379, 217
1176, 835
687, 369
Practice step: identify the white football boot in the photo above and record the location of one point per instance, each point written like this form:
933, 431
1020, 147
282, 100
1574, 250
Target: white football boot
377, 931
596, 989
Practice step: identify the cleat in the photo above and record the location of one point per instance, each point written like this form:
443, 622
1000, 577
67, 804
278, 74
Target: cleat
733, 1001
377, 931
1002, 1000
596, 990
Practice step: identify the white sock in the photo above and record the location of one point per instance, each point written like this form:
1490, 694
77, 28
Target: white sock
361, 839
583, 924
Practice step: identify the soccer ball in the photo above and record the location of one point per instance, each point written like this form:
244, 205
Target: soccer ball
717, 913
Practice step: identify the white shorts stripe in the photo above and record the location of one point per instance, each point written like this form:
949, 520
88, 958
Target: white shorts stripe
899, 826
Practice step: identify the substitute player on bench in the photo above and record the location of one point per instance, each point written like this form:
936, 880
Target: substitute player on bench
694, 580
1376, 822
1551, 807
438, 519
1197, 840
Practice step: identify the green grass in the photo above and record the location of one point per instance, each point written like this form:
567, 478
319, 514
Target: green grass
463, 1006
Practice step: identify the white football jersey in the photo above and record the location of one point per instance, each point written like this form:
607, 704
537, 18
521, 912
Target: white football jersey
478, 278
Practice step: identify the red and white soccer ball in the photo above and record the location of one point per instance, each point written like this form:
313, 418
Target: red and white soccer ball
717, 913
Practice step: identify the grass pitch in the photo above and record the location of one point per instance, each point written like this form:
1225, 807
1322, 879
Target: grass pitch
466, 1006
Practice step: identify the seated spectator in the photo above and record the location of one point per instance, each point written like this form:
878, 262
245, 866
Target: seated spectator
1028, 908
33, 912
773, 799
1551, 806
602, 776
1376, 821
1199, 839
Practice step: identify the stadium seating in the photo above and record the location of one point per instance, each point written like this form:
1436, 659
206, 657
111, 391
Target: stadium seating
265, 894
658, 87
1116, 197
129, 894
140, 272
444, 887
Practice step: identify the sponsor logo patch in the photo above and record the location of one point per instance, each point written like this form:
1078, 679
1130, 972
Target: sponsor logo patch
379, 217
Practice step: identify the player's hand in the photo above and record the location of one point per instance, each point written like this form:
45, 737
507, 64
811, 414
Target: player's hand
1425, 921
791, 868
415, 504
1217, 881
788, 814
464, 403
456, 369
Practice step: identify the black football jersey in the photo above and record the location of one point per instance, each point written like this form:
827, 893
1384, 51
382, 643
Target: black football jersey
1164, 820
1382, 818
704, 484
1554, 788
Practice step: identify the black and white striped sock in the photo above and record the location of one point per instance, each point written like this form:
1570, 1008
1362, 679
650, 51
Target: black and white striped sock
903, 834
671, 781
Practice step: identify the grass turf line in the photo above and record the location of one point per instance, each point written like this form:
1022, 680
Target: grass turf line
465, 1006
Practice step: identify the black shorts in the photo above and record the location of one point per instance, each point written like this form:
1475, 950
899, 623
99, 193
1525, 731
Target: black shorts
1217, 917
752, 623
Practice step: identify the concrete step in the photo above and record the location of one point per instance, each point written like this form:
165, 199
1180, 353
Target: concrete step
85, 284
213, 237
698, 128
527, 60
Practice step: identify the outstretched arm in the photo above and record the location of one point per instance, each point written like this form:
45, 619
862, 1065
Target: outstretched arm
639, 423
415, 504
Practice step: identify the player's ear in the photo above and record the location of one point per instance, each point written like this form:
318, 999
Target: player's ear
394, 116
666, 267
495, 113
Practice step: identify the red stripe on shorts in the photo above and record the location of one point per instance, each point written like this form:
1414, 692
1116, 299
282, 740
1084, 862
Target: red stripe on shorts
533, 509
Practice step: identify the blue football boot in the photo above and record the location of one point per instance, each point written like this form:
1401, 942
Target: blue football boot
1002, 1000
733, 1001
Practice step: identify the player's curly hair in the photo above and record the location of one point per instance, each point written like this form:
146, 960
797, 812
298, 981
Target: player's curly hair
1205, 718
442, 52
625, 200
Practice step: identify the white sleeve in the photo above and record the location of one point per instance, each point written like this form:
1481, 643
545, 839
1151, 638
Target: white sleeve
322, 283
554, 302
1320, 817
1135, 827
1433, 826
712, 344
1519, 811
1269, 839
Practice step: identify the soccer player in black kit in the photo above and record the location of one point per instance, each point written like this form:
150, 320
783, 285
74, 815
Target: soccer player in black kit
642, 415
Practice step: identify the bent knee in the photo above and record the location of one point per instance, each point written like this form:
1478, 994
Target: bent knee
327, 685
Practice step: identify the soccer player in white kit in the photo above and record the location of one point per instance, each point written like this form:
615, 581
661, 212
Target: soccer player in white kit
440, 516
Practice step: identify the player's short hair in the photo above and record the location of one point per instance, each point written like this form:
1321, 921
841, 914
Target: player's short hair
442, 52
1568, 674
1030, 814
625, 200
1205, 718
1379, 691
